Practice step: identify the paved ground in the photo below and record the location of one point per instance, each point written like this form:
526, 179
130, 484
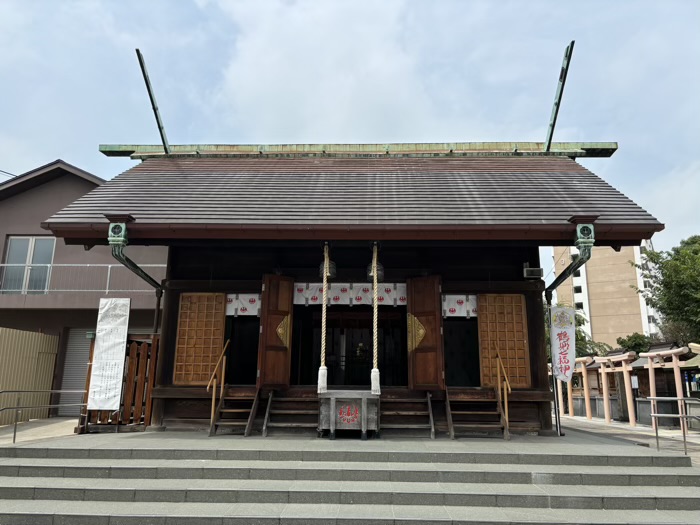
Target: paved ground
38, 429
581, 434
670, 440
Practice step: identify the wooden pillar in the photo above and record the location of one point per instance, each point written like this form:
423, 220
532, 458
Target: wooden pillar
570, 396
560, 392
538, 352
586, 390
606, 392
680, 392
652, 390
628, 393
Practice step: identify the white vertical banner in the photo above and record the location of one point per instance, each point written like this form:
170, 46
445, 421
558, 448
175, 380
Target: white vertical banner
563, 342
108, 357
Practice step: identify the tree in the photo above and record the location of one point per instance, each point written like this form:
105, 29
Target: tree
635, 342
672, 286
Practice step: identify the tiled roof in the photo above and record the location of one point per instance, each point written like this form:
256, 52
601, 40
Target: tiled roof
389, 193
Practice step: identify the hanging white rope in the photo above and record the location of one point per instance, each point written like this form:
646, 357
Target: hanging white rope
323, 371
374, 376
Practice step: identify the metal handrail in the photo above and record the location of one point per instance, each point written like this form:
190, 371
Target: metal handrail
682, 417
19, 407
57, 281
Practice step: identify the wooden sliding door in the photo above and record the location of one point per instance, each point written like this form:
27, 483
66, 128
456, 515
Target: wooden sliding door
502, 322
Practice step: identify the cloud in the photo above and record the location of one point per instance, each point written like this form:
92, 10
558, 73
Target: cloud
341, 71
676, 200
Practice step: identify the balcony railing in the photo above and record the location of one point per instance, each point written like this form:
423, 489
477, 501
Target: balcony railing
37, 279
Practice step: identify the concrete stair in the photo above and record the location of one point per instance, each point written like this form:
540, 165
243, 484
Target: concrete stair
291, 484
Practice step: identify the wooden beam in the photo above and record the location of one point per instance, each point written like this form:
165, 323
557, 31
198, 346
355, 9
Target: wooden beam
452, 149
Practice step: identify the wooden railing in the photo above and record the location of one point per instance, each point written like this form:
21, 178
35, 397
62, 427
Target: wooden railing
502, 391
217, 378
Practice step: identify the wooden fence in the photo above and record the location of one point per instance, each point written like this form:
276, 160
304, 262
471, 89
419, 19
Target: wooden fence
137, 386
27, 361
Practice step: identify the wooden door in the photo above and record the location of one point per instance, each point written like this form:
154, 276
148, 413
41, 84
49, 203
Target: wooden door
426, 369
503, 329
200, 337
275, 347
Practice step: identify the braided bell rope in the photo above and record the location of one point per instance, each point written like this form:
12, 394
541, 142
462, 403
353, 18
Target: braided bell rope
375, 306
324, 305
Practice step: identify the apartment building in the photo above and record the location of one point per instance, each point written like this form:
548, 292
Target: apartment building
604, 290
54, 288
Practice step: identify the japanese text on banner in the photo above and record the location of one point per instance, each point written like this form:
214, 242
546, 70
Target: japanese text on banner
109, 354
563, 342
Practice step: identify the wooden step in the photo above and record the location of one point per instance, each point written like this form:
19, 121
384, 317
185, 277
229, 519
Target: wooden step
404, 425
478, 426
295, 399
474, 412
280, 424
406, 400
293, 412
405, 413
231, 423
235, 410
239, 398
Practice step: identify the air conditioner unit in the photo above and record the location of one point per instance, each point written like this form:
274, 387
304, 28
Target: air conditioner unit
533, 273
117, 233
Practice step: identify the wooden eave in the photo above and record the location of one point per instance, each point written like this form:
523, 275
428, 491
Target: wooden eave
545, 235
436, 149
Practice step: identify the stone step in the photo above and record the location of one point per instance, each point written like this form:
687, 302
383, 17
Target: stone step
168, 513
334, 455
382, 493
293, 469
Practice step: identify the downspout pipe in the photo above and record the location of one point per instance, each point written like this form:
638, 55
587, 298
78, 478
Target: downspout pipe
584, 243
585, 249
119, 255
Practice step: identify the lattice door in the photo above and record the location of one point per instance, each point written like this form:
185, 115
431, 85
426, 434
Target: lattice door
503, 328
200, 337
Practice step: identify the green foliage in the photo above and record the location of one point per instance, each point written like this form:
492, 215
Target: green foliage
635, 342
673, 287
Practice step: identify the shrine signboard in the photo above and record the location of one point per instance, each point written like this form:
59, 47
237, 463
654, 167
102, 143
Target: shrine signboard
563, 342
109, 354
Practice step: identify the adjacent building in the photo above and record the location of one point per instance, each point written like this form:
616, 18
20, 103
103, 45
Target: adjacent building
49, 287
604, 290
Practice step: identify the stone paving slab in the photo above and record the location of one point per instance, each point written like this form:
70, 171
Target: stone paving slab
14, 512
498, 495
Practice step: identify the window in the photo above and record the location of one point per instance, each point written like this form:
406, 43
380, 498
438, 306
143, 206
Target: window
578, 289
27, 265
577, 273
579, 306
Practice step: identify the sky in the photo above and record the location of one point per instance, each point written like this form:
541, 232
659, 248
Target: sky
286, 71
